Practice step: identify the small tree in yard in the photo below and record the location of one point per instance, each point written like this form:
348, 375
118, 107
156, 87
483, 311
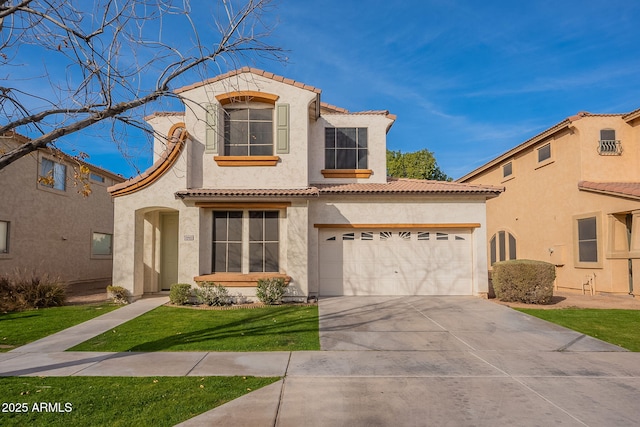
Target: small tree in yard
71, 64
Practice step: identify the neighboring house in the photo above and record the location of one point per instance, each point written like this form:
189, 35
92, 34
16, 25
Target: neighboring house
46, 225
257, 178
572, 198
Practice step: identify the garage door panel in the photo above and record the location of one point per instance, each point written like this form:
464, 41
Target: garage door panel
395, 262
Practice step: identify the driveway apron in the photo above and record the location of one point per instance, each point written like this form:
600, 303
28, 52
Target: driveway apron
417, 361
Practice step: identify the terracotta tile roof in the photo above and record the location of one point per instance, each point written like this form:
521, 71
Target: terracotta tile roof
410, 186
164, 114
220, 192
632, 115
332, 109
629, 190
250, 70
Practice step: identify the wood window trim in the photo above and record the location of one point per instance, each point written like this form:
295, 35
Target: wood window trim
247, 96
235, 161
346, 173
240, 280
401, 226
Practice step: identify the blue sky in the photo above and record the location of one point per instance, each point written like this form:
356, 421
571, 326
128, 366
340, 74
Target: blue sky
467, 79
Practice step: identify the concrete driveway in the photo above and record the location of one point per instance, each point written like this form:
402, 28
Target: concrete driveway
433, 361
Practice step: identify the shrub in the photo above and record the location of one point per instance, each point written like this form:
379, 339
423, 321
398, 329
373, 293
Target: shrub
525, 281
118, 294
213, 294
180, 293
24, 290
271, 291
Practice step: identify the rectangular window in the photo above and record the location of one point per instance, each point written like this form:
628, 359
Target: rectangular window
102, 244
544, 153
248, 132
507, 170
345, 148
587, 240
608, 144
246, 241
53, 174
4, 237
95, 177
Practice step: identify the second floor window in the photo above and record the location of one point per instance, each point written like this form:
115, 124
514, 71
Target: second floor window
345, 148
248, 132
53, 174
608, 144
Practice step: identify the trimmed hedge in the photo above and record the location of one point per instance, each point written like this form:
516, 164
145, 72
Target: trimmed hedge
523, 280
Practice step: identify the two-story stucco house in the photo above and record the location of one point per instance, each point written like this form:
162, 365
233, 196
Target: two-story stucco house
46, 225
258, 178
572, 198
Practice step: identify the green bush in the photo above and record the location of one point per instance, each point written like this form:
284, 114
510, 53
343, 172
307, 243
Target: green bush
180, 293
118, 294
213, 294
271, 291
24, 290
525, 281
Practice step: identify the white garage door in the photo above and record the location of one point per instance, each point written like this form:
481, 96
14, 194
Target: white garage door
395, 262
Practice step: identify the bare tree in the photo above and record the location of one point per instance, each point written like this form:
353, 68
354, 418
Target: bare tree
108, 58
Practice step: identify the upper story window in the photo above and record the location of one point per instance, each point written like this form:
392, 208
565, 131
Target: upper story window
608, 144
544, 153
248, 131
53, 174
95, 177
507, 170
346, 148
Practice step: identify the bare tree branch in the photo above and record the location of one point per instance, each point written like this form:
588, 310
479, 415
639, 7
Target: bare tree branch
107, 58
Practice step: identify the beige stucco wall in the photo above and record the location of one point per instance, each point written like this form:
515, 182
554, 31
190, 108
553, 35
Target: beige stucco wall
51, 230
541, 201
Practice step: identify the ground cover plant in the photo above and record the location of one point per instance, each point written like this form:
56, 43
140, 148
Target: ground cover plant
116, 401
19, 328
265, 328
619, 327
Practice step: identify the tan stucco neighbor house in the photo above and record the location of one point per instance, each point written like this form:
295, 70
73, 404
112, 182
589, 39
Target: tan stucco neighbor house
47, 226
258, 178
572, 198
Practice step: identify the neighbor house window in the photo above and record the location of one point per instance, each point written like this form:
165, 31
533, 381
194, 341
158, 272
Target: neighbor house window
608, 144
245, 241
502, 247
53, 174
95, 177
587, 240
4, 237
507, 170
101, 244
345, 148
248, 132
544, 153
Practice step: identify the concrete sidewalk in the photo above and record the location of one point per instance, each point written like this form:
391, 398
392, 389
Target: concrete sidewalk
408, 361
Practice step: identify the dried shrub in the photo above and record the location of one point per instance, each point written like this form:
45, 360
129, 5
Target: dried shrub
525, 281
213, 294
118, 294
180, 293
24, 290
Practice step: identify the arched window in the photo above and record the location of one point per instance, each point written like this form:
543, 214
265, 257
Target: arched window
502, 246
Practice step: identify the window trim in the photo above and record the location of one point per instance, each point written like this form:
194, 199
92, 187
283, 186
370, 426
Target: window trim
599, 241
248, 106
546, 161
7, 242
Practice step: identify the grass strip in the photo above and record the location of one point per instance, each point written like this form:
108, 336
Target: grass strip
269, 328
23, 327
619, 327
116, 401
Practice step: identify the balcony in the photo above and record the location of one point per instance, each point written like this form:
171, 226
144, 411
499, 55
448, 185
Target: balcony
609, 147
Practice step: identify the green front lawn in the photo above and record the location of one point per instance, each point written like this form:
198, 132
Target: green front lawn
269, 328
619, 327
23, 327
116, 401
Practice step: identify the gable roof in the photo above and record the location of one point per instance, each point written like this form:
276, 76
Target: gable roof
249, 70
629, 190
